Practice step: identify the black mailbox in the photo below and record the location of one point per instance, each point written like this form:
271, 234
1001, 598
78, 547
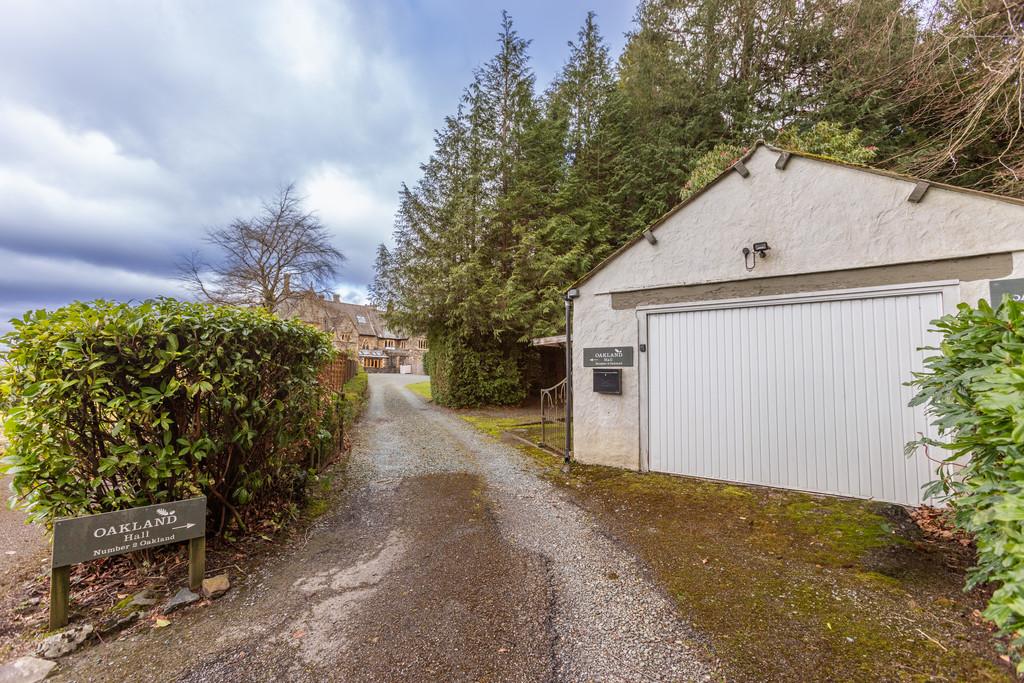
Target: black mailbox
607, 381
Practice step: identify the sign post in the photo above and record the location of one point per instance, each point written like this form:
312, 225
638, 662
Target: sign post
81, 539
60, 590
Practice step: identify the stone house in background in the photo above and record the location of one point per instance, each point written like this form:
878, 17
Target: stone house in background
361, 332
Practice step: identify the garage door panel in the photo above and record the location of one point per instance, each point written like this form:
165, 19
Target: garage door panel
805, 395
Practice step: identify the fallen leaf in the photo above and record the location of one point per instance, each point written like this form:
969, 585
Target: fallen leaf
160, 623
298, 634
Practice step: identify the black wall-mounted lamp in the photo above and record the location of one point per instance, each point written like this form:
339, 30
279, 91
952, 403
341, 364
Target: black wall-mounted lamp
750, 254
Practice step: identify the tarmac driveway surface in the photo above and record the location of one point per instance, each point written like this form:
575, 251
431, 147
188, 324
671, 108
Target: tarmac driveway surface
448, 558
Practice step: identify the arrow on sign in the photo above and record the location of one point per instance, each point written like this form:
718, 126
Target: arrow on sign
184, 526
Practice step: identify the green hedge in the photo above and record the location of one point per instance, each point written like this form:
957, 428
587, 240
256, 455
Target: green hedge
975, 390
111, 406
465, 373
355, 392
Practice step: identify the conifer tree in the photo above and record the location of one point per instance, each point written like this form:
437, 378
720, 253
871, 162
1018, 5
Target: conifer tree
522, 195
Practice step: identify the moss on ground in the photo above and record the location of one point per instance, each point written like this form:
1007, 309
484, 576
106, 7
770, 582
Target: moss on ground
794, 587
421, 389
495, 426
322, 491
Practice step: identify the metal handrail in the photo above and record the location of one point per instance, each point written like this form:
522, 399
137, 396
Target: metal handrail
551, 400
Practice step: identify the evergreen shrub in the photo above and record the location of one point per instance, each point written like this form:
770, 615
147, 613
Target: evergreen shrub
974, 387
110, 406
464, 374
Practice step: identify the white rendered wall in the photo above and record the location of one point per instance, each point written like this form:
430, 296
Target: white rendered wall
816, 216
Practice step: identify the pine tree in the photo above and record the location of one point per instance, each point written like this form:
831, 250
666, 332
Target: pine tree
559, 199
456, 232
382, 289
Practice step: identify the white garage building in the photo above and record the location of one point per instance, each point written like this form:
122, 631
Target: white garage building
695, 354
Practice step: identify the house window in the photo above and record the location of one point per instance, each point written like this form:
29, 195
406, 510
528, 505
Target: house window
421, 343
389, 343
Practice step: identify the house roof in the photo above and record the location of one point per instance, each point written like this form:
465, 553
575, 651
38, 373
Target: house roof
805, 155
366, 320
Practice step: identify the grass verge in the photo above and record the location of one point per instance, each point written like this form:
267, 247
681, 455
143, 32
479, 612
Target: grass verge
421, 389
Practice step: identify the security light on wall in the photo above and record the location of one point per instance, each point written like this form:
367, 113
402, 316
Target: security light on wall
750, 254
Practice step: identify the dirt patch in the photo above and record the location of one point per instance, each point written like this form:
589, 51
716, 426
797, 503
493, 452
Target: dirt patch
462, 605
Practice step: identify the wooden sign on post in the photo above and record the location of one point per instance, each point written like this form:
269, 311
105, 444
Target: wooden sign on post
81, 539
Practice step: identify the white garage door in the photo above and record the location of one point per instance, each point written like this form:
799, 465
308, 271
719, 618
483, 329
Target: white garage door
804, 395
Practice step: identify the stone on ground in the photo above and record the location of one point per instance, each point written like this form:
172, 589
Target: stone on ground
215, 586
144, 598
26, 670
181, 599
65, 642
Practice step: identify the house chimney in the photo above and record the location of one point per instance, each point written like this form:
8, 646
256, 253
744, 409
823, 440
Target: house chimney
287, 283
337, 298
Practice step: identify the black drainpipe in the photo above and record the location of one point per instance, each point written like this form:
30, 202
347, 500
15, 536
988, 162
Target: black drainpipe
569, 296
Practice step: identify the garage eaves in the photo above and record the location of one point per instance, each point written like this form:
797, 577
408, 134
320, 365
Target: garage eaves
739, 166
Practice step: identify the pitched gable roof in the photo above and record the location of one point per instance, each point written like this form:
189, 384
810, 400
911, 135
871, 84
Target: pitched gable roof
738, 165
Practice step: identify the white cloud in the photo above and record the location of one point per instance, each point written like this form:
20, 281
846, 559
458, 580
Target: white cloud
310, 41
40, 146
353, 294
344, 200
355, 211
66, 191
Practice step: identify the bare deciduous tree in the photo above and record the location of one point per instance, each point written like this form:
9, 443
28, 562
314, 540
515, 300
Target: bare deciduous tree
266, 259
965, 82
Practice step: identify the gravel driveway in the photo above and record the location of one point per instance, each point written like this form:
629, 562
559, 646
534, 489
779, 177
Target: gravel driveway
448, 558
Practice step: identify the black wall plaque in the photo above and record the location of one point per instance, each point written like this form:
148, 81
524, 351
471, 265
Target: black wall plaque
1014, 287
608, 357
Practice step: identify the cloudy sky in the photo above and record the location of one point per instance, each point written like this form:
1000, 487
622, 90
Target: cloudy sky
127, 128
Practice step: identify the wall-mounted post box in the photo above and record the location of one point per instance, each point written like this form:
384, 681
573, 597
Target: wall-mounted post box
607, 381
